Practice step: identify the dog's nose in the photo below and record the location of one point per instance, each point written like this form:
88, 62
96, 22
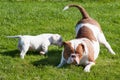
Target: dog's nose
73, 56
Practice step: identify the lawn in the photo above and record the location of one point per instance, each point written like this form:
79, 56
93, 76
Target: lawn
42, 16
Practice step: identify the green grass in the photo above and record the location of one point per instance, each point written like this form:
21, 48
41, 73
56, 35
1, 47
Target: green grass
36, 17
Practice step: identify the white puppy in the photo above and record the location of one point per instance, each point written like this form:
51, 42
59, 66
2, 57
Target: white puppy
39, 42
85, 48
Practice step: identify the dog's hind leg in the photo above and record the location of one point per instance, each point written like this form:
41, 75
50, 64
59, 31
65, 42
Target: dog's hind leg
103, 41
24, 50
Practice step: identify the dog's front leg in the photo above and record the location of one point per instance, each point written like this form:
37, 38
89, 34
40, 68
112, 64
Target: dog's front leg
88, 66
62, 62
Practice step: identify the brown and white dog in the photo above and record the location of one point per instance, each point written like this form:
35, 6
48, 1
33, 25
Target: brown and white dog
85, 48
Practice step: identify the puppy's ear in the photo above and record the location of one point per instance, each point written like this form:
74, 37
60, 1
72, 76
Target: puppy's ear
55, 37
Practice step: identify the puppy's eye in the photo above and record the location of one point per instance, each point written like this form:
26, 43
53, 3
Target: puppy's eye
60, 40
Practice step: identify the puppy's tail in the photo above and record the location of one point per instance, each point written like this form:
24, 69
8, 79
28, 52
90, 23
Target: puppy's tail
81, 9
18, 36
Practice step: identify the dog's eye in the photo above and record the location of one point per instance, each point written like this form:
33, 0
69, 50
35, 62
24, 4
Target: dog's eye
68, 53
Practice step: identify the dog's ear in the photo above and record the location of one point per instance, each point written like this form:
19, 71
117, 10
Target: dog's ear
66, 43
84, 47
80, 49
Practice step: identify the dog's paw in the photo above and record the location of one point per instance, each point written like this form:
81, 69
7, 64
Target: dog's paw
113, 52
87, 69
58, 66
21, 56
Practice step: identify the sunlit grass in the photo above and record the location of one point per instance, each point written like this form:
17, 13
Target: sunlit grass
36, 17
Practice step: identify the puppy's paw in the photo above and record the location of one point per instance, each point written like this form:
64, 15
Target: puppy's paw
42, 52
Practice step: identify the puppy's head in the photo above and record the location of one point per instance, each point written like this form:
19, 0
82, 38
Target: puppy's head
57, 40
73, 52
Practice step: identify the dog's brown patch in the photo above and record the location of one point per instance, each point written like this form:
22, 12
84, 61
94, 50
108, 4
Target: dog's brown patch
67, 50
85, 32
79, 50
90, 51
90, 21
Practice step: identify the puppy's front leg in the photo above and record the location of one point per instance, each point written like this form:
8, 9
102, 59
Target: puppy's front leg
44, 49
88, 66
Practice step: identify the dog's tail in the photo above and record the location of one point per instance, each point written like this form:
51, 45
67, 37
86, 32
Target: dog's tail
18, 36
81, 9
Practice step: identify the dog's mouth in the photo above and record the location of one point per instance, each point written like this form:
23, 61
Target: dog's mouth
74, 61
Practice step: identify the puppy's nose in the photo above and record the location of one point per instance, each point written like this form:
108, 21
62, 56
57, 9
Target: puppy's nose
73, 56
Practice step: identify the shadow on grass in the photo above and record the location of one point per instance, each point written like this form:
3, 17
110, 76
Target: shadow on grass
16, 53
52, 58
11, 53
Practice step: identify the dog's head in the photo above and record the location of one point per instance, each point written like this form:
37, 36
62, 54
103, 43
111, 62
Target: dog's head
57, 40
73, 52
